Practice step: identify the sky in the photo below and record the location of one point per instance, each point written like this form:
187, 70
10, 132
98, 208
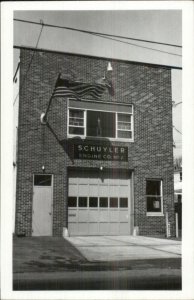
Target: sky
154, 25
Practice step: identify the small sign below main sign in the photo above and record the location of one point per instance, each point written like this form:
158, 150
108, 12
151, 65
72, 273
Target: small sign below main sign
100, 152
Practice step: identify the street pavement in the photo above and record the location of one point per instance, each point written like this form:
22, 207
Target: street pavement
96, 263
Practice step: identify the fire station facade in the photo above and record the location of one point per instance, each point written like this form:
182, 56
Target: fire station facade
98, 167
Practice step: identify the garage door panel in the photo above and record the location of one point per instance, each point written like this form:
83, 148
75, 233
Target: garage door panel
114, 181
124, 191
83, 228
83, 190
103, 190
103, 216
93, 190
114, 215
93, 229
82, 216
72, 215
104, 180
103, 203
73, 228
93, 216
124, 229
113, 190
124, 216
73, 180
94, 180
73, 189
114, 228
82, 180
103, 228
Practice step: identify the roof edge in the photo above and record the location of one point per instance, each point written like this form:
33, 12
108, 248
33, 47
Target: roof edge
101, 57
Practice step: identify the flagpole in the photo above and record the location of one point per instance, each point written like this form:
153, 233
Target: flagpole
43, 117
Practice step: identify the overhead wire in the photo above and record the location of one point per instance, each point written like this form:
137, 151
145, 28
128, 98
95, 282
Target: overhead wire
98, 33
177, 130
15, 75
110, 37
28, 68
102, 35
132, 44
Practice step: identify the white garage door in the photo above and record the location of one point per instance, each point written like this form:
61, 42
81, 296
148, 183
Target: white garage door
99, 203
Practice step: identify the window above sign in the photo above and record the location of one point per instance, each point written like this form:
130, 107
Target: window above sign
101, 124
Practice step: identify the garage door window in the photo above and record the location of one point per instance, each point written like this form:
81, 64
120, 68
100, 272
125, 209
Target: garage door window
82, 201
123, 202
113, 202
93, 202
104, 202
72, 202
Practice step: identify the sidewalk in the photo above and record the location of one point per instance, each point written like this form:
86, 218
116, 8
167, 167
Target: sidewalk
118, 248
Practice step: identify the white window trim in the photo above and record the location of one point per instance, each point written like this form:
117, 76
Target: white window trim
159, 213
84, 127
119, 113
116, 126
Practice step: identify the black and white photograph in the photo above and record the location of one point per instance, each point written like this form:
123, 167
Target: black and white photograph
97, 189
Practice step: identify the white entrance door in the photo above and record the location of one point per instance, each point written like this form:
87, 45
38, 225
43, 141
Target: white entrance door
42, 206
99, 203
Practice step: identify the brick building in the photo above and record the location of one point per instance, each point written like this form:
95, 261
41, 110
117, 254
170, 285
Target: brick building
77, 177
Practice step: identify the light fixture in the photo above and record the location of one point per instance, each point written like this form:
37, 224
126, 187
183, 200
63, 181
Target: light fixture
109, 67
43, 119
43, 168
101, 168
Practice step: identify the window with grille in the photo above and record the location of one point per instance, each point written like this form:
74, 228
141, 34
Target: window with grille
105, 124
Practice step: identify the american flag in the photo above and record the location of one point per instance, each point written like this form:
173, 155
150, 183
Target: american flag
78, 90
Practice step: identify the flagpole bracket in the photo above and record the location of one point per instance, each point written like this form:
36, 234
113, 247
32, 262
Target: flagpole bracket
43, 119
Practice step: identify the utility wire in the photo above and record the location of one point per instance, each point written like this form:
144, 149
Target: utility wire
99, 33
21, 86
109, 36
14, 77
177, 130
174, 104
123, 42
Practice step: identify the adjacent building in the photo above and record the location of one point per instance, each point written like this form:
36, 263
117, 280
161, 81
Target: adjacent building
178, 197
97, 167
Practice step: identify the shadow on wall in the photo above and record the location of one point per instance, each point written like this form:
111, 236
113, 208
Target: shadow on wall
68, 144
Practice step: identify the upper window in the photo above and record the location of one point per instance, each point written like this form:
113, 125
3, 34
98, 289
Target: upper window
124, 126
154, 196
76, 122
90, 123
100, 124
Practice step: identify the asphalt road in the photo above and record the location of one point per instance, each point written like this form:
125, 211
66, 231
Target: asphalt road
100, 280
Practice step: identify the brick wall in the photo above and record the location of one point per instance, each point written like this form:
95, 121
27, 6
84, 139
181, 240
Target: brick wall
148, 88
